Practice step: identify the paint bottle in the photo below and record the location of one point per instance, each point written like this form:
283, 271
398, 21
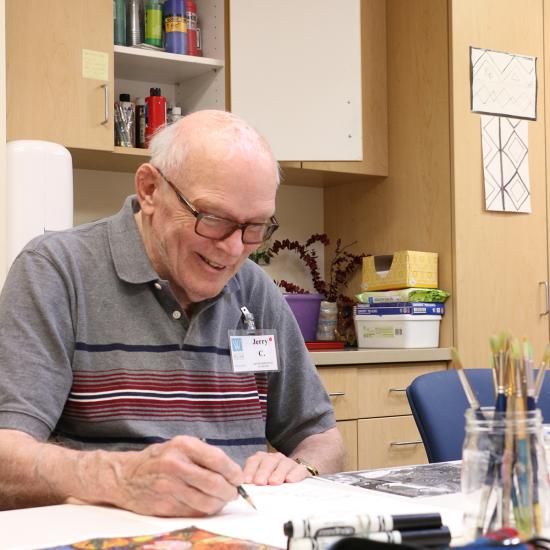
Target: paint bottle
140, 123
153, 23
191, 16
175, 27
155, 113
174, 114
119, 14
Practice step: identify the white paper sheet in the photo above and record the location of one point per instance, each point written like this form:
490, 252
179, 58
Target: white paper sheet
505, 164
503, 83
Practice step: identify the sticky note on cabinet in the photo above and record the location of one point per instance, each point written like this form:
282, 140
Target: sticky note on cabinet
95, 65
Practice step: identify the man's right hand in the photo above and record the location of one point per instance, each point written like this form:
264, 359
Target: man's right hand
182, 477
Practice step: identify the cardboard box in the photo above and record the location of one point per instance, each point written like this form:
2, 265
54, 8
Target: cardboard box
397, 331
403, 269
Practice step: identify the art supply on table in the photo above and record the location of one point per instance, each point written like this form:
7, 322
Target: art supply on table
155, 113
504, 472
140, 123
153, 23
175, 26
125, 118
135, 22
242, 491
357, 524
320, 532
191, 16
119, 16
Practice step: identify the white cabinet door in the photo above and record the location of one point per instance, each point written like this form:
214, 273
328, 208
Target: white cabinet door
296, 75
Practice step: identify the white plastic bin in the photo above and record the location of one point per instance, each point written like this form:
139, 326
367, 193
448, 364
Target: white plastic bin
397, 331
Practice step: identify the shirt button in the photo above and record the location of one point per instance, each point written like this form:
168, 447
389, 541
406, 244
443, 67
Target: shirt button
158, 286
176, 314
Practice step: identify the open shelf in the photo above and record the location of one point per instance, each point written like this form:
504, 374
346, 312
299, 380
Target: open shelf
141, 64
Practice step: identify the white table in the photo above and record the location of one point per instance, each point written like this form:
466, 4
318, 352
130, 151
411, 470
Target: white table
34, 528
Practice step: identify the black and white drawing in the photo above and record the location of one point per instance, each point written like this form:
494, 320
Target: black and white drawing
503, 84
424, 480
505, 164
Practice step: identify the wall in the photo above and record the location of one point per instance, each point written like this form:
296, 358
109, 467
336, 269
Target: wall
3, 186
299, 211
410, 209
500, 257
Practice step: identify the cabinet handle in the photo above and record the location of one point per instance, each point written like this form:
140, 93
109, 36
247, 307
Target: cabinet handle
398, 390
337, 394
403, 443
106, 96
547, 296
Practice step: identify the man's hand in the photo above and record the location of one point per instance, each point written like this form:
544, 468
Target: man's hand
182, 477
273, 469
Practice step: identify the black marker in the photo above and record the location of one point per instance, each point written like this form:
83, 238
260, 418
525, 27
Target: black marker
349, 525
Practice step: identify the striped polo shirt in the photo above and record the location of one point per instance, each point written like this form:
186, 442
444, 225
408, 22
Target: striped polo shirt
95, 351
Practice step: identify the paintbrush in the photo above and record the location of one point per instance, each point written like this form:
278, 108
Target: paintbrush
542, 369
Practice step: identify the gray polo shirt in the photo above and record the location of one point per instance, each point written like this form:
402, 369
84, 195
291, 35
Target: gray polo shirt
95, 351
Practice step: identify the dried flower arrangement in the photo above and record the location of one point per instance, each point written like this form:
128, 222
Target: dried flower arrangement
343, 265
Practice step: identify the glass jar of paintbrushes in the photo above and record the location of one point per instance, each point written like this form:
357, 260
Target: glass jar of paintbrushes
504, 469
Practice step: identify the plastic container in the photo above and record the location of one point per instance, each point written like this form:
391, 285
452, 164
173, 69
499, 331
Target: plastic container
175, 27
328, 319
125, 122
119, 13
504, 477
397, 331
155, 113
153, 23
306, 310
173, 115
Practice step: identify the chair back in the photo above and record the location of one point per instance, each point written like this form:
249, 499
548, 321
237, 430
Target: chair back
438, 405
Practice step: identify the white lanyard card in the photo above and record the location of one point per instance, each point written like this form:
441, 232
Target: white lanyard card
253, 350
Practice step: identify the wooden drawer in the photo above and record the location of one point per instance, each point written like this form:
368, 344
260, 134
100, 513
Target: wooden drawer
382, 388
392, 441
348, 429
341, 385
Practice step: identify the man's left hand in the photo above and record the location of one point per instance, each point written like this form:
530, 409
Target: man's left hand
273, 469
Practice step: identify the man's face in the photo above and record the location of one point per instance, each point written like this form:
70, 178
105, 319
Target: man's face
241, 190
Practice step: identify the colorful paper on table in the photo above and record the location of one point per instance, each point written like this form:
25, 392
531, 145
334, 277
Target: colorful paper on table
191, 538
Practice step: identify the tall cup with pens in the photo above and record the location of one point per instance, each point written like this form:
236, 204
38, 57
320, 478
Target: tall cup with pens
504, 468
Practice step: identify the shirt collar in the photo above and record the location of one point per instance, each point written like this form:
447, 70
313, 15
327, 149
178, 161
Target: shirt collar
129, 256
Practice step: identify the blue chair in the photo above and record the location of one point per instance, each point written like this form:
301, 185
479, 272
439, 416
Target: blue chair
438, 405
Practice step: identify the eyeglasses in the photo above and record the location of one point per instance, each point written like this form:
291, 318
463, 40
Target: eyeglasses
219, 229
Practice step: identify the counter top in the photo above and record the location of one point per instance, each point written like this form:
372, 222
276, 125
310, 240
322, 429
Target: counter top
355, 356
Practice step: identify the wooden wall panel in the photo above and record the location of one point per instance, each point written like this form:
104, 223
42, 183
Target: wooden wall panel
500, 257
411, 208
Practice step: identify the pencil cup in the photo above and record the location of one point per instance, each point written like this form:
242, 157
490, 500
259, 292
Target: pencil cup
504, 473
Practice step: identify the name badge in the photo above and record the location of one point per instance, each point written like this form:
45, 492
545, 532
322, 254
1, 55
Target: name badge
253, 351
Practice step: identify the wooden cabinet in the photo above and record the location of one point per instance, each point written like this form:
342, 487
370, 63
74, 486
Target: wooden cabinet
59, 72
433, 199
51, 96
373, 413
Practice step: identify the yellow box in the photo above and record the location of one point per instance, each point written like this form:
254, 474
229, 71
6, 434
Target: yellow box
403, 269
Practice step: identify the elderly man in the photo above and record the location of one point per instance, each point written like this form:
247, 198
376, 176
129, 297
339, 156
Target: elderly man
117, 383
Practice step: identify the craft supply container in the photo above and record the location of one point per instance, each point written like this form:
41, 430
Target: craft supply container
504, 476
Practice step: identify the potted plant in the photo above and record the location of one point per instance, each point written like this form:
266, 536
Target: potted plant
330, 291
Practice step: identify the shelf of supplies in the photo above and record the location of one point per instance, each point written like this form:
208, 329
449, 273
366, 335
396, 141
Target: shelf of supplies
133, 63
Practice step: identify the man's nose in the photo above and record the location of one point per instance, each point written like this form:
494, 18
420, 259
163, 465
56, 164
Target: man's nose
234, 243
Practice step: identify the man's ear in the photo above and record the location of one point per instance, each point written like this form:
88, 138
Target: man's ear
146, 182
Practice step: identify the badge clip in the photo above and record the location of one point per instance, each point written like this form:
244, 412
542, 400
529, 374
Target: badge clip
248, 319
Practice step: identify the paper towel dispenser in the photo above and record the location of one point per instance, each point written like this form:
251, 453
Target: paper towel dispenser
39, 193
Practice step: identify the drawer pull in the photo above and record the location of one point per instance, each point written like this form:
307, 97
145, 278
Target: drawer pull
403, 443
398, 390
337, 394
